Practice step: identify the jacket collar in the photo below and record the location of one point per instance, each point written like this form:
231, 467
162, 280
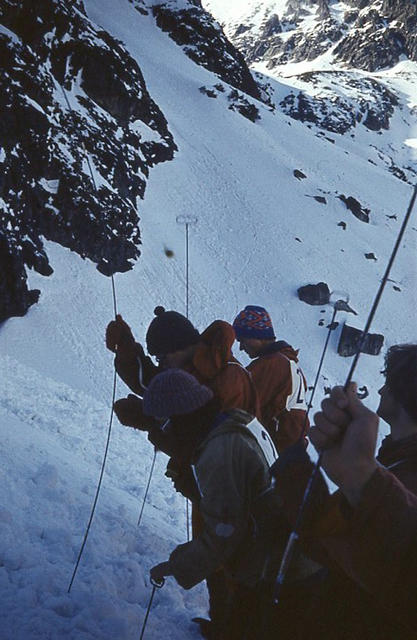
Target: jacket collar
393, 451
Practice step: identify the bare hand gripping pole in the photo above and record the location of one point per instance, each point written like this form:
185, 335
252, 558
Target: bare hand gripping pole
293, 538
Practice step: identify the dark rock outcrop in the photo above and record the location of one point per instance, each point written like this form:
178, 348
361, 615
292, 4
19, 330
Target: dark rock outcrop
350, 340
77, 144
205, 43
365, 101
299, 174
314, 294
241, 104
380, 35
360, 212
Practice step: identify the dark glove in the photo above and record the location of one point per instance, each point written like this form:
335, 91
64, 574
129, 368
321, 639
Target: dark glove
182, 478
130, 413
159, 571
118, 335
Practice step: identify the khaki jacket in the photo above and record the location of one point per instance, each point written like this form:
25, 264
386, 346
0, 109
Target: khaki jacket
243, 529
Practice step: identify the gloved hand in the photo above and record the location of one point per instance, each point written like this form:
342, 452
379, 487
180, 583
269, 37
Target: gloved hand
130, 413
118, 335
159, 571
182, 478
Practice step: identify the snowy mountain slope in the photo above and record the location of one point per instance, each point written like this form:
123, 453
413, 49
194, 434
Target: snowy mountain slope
260, 235
341, 66
76, 110
51, 446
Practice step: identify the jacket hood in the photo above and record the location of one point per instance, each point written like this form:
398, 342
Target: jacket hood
214, 350
282, 347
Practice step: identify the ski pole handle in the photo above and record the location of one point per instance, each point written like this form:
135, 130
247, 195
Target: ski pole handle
158, 583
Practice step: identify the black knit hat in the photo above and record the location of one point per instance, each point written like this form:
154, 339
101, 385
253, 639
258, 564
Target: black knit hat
170, 331
174, 392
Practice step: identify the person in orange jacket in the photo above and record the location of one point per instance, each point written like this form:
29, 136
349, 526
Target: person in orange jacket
277, 376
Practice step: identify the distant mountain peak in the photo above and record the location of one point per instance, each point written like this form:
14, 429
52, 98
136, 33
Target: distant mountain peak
362, 34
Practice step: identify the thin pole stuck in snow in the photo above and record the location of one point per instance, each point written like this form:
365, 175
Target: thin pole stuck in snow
187, 221
114, 378
156, 585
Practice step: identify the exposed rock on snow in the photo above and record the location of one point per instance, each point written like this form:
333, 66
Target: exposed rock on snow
360, 212
320, 199
380, 34
239, 103
299, 174
370, 36
345, 100
314, 293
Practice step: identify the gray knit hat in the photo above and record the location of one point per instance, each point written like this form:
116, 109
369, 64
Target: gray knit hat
174, 392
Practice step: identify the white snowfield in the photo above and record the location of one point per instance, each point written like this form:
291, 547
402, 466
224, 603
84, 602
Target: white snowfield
260, 235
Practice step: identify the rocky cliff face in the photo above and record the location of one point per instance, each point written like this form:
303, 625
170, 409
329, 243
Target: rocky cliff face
368, 35
378, 34
204, 42
79, 133
346, 100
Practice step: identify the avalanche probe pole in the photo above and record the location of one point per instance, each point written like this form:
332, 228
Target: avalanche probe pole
114, 380
187, 220
156, 585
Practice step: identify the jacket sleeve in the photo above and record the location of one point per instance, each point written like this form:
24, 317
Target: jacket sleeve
224, 506
375, 544
135, 368
384, 543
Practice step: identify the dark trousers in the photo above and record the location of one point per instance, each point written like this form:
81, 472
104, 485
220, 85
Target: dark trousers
253, 616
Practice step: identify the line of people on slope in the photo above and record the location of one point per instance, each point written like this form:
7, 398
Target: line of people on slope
223, 427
